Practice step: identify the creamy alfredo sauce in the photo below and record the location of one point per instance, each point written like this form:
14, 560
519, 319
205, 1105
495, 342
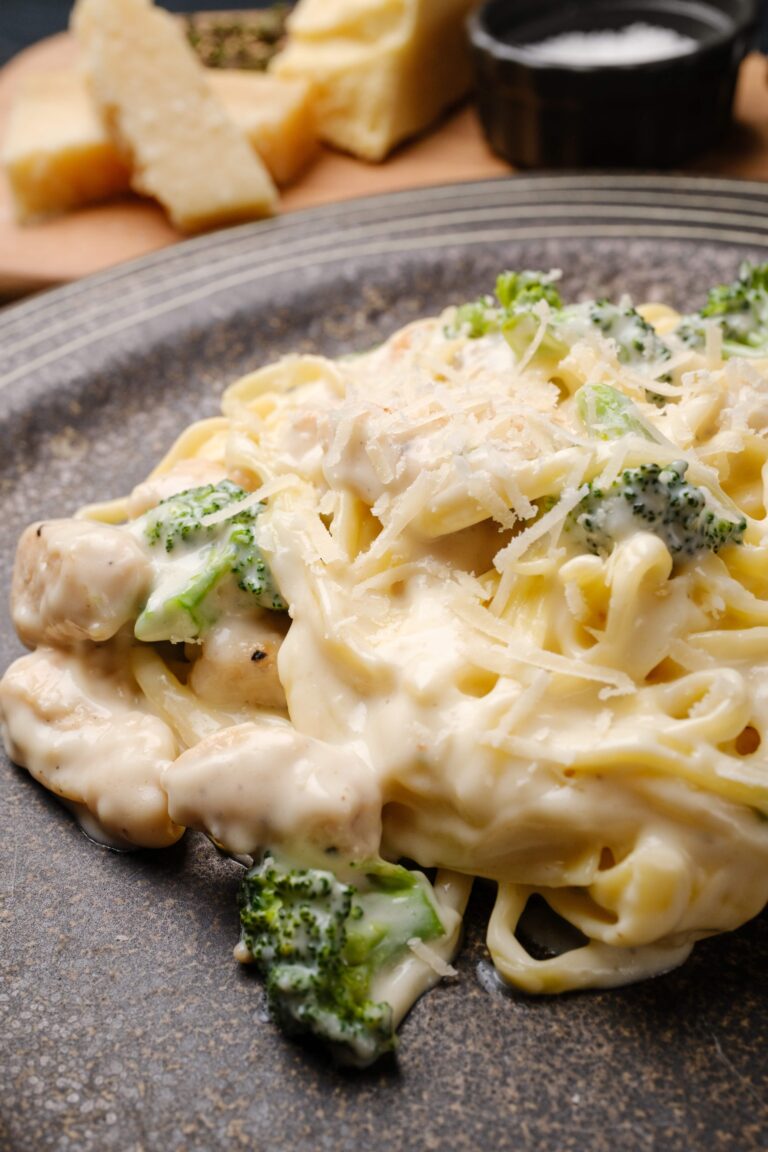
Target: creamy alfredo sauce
456, 681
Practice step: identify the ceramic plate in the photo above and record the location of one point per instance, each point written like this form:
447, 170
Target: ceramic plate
124, 1021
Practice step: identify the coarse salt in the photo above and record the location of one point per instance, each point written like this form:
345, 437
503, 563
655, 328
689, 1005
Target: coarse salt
634, 44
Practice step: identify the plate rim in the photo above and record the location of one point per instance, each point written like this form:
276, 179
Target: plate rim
711, 202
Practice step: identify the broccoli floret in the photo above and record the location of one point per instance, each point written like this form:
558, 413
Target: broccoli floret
320, 942
516, 292
654, 498
739, 309
179, 518
637, 341
514, 314
202, 562
476, 318
524, 289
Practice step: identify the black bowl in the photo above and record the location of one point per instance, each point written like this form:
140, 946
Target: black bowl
655, 114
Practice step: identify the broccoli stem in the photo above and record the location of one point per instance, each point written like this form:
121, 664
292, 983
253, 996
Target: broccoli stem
608, 414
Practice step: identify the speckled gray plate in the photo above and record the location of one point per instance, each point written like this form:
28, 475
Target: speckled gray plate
124, 1022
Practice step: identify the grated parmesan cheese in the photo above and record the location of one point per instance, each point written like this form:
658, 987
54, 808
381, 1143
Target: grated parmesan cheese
431, 958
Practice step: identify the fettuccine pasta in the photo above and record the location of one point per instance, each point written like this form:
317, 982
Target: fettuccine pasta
478, 670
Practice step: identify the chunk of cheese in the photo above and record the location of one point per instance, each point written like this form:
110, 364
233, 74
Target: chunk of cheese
58, 154
183, 148
382, 69
277, 115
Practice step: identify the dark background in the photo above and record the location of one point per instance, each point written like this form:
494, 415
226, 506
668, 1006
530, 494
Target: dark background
24, 21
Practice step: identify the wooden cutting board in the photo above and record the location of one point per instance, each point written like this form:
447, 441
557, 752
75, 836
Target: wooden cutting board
93, 238
71, 246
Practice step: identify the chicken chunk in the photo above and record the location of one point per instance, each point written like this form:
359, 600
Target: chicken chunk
77, 724
77, 580
264, 784
237, 664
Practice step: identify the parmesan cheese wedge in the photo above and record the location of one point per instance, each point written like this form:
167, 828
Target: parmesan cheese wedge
150, 88
382, 69
277, 116
58, 154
